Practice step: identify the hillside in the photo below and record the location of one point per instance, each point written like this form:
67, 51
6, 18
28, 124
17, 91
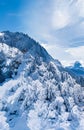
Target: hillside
36, 92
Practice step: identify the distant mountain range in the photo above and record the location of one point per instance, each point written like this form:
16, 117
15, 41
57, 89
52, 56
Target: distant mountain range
77, 72
36, 92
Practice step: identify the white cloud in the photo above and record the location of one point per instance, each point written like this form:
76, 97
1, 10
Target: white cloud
62, 14
60, 19
59, 53
67, 56
77, 53
45, 18
80, 7
57, 23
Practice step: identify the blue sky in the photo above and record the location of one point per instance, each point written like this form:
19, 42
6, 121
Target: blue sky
7, 8
57, 24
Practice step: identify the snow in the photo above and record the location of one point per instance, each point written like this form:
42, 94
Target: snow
21, 123
3, 124
40, 96
1, 34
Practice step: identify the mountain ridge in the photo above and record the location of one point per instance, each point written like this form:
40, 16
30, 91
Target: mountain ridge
20, 41
41, 95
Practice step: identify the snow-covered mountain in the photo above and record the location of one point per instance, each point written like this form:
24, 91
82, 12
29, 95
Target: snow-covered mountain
77, 72
12, 48
36, 92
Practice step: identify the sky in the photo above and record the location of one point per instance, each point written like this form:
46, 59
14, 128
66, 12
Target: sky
58, 25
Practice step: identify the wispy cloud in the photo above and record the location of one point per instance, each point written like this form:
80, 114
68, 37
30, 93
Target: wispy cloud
54, 16
76, 52
56, 22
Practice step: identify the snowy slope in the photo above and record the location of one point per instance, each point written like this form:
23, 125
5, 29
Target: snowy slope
10, 59
41, 95
12, 48
23, 42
